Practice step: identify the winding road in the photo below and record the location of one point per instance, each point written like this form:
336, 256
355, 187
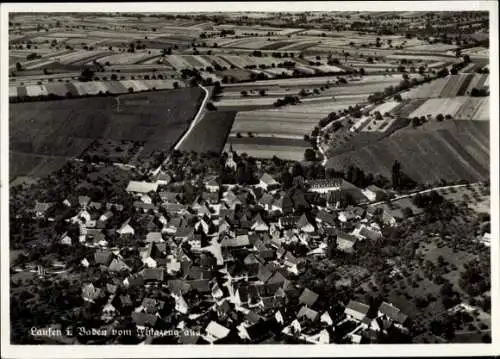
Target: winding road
197, 118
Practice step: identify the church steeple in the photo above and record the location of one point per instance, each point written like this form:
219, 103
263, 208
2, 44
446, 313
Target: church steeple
230, 163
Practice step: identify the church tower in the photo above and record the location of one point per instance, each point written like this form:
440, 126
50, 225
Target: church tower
230, 163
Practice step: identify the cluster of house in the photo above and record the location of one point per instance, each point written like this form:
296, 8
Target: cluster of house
224, 261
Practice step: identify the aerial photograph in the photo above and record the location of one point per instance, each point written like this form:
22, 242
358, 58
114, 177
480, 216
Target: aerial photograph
317, 177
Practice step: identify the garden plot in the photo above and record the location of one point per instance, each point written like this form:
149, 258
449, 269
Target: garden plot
435, 106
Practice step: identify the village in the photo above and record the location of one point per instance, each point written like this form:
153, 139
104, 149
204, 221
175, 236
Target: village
226, 262
312, 178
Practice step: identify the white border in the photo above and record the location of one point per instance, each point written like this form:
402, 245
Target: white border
47, 351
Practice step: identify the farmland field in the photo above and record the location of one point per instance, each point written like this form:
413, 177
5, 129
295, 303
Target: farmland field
292, 153
450, 86
43, 133
451, 150
92, 87
290, 121
461, 108
123, 103
210, 133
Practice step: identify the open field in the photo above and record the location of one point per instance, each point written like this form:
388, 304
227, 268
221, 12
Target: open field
378, 80
451, 150
287, 152
92, 88
210, 133
290, 121
45, 132
312, 99
460, 108
450, 86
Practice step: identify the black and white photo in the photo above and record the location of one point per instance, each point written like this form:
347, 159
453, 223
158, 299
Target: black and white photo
253, 176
